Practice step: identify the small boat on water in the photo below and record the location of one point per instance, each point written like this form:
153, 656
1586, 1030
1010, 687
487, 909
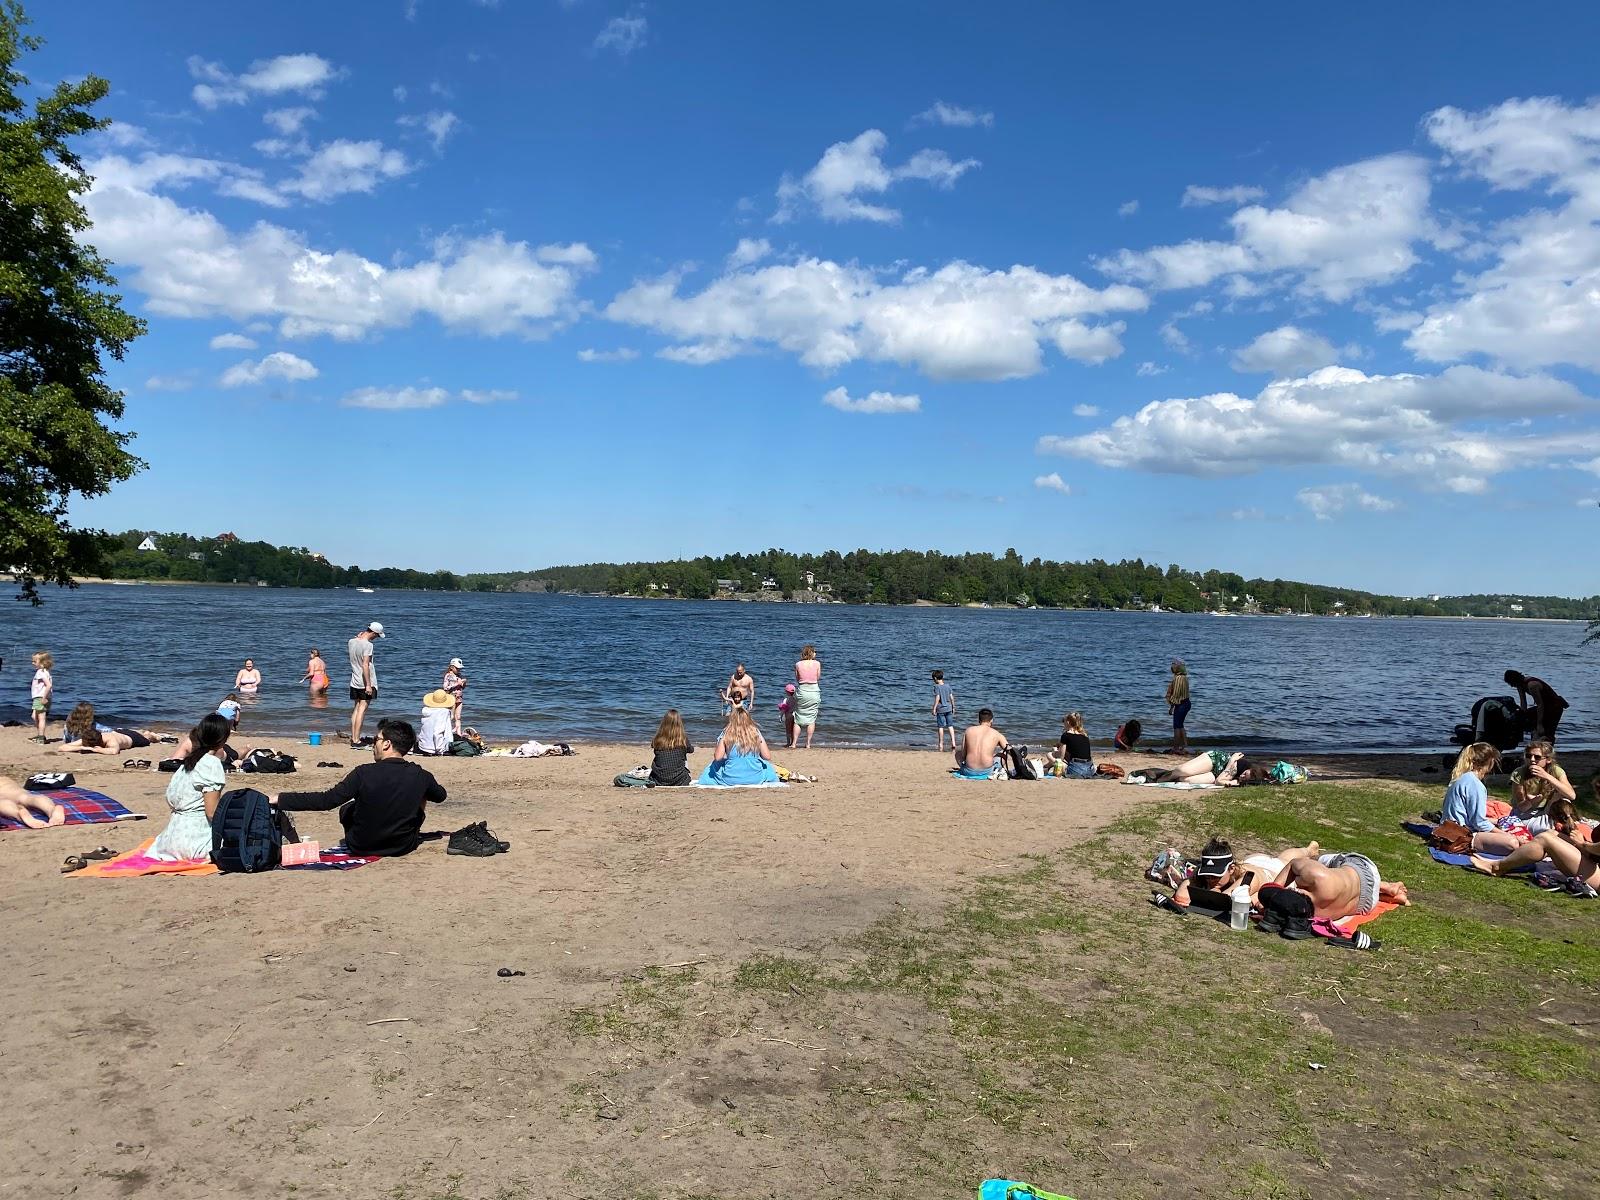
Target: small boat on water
366, 591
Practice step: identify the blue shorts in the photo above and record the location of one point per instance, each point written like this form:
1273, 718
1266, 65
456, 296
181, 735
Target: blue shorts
944, 720
1080, 768
1180, 713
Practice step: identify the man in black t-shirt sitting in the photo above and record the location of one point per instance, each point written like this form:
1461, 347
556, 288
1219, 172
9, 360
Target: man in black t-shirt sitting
384, 801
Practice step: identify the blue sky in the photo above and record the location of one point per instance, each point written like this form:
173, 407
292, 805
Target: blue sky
488, 286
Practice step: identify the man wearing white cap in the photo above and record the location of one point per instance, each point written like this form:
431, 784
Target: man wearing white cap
455, 682
363, 678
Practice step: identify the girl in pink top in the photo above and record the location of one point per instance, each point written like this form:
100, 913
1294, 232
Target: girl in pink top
807, 692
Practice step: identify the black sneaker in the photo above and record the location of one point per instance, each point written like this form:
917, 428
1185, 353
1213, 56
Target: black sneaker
482, 832
466, 841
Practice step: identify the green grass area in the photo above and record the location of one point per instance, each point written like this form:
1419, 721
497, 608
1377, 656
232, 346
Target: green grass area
1099, 1047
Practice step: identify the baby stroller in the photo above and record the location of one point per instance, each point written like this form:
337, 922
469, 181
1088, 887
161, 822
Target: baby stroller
1496, 720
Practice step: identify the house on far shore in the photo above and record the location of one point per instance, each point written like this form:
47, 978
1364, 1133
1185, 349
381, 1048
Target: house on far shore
222, 539
727, 585
149, 543
810, 578
196, 556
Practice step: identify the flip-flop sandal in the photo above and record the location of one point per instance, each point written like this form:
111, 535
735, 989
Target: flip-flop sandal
137, 764
1359, 940
1168, 904
330, 764
508, 973
74, 862
99, 854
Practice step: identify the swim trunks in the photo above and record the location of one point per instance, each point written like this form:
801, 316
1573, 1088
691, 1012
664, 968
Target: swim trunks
360, 694
1219, 760
1180, 713
990, 772
1365, 869
138, 739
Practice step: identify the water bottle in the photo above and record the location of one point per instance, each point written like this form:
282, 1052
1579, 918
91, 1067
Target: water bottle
1239, 911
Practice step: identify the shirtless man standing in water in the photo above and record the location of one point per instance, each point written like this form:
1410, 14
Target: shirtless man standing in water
741, 690
1338, 884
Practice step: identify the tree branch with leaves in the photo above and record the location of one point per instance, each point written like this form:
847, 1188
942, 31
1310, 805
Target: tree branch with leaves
59, 320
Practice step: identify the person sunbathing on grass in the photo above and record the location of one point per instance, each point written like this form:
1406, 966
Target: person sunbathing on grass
1565, 844
1340, 885
20, 805
1215, 767
1218, 874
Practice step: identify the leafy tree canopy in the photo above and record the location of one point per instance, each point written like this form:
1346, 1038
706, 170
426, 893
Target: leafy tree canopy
58, 319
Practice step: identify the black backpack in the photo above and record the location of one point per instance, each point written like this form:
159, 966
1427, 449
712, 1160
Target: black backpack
1021, 768
247, 832
49, 781
268, 762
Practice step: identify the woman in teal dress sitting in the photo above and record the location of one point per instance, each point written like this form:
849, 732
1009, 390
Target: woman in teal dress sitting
740, 758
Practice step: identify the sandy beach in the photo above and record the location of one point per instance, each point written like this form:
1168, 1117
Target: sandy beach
174, 1028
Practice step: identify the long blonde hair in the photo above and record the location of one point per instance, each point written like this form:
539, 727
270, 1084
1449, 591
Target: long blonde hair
1474, 758
1072, 723
808, 651
1532, 786
741, 731
670, 734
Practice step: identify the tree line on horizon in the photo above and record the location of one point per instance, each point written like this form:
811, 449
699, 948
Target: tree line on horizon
857, 577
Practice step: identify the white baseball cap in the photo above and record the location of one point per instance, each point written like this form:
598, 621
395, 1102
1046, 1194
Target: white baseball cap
458, 664
376, 627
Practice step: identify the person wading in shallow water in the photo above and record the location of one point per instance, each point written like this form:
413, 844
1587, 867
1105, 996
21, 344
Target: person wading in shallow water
740, 691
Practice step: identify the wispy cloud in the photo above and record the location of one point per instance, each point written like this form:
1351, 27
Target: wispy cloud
953, 115
872, 402
621, 354
624, 34
404, 398
1194, 195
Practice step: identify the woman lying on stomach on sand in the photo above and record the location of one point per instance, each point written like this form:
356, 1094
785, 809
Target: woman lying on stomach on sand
741, 756
21, 805
193, 794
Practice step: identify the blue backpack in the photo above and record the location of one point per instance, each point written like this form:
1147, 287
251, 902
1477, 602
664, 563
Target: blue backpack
247, 832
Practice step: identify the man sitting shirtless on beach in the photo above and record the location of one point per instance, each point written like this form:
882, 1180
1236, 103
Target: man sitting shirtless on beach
1339, 885
975, 757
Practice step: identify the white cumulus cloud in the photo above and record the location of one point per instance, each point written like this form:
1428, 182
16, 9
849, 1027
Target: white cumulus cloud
953, 115
621, 354
307, 74
1085, 410
1428, 427
1052, 483
398, 399
341, 167
187, 263
1286, 350
1194, 195
1327, 502
279, 365
1538, 305
749, 250
849, 171
872, 402
232, 341
958, 322
1351, 228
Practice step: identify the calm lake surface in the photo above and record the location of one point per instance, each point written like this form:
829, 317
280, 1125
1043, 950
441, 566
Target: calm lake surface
571, 667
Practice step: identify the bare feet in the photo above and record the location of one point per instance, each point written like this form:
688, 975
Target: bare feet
1479, 863
1395, 893
58, 816
27, 817
1313, 849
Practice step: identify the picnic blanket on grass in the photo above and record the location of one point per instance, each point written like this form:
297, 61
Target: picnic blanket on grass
1355, 920
136, 862
1181, 787
84, 807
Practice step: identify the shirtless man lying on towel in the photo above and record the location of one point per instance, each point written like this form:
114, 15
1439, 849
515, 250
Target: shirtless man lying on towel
1339, 884
29, 808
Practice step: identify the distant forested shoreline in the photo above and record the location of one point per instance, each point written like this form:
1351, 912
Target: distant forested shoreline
857, 577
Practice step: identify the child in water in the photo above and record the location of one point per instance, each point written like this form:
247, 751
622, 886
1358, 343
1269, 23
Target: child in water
786, 709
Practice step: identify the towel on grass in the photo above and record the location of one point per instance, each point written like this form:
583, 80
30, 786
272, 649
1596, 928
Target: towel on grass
1463, 860
136, 862
83, 808
1180, 787
1355, 920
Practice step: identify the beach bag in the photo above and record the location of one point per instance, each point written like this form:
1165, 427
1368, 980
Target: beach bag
247, 832
49, 781
638, 777
1452, 837
1109, 770
267, 762
1287, 772
1010, 1189
1021, 766
464, 748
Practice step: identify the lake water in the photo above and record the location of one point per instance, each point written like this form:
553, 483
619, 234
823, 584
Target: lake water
572, 667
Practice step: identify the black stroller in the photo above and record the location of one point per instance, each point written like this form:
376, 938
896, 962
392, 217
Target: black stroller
1496, 720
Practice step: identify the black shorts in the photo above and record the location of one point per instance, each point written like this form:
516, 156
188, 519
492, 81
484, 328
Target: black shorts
138, 739
359, 694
